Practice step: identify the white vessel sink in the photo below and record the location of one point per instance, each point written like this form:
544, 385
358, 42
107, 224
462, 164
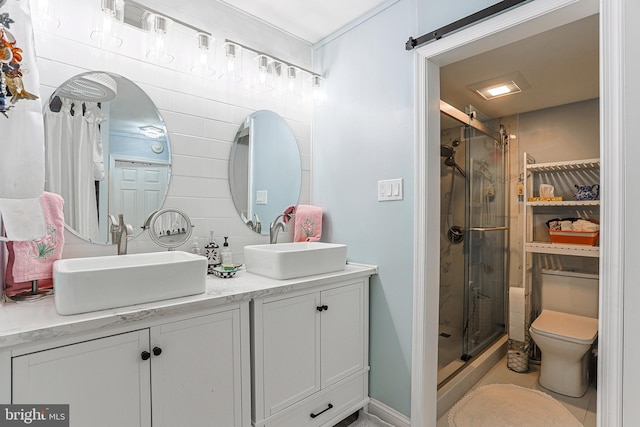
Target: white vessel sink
291, 260
88, 284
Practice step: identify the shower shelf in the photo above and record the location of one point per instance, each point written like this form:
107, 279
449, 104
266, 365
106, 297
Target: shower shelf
564, 166
562, 249
564, 207
567, 203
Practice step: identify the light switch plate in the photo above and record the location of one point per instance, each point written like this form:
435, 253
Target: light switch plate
261, 197
390, 189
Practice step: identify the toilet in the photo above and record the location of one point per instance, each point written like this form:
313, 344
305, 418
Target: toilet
566, 330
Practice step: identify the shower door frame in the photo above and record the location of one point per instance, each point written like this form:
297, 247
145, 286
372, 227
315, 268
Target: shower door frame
518, 23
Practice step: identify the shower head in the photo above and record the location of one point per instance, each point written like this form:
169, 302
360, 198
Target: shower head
447, 151
450, 161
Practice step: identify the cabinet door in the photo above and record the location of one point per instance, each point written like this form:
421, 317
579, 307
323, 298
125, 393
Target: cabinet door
196, 378
291, 339
105, 381
342, 333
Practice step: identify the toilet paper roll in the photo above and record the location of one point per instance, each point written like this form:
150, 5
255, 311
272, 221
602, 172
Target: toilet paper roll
516, 314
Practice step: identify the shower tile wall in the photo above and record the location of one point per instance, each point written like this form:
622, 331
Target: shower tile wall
451, 255
202, 116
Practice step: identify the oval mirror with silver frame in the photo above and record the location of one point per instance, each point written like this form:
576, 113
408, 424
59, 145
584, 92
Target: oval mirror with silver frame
107, 152
265, 172
169, 227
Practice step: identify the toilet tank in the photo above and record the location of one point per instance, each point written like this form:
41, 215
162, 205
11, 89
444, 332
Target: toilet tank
570, 292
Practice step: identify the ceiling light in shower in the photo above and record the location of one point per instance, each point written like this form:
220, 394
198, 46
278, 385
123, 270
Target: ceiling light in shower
500, 86
151, 131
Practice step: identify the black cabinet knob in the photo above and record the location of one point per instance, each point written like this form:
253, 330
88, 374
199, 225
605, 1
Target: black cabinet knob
157, 351
322, 307
145, 355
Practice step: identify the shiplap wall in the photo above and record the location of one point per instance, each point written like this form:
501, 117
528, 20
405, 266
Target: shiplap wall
201, 115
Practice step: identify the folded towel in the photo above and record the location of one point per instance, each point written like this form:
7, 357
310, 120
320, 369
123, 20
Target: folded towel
288, 213
584, 225
308, 224
33, 260
23, 219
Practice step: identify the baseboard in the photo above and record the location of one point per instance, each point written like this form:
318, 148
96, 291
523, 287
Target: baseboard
388, 414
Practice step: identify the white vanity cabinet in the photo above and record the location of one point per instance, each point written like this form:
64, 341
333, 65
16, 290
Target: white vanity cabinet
310, 354
190, 371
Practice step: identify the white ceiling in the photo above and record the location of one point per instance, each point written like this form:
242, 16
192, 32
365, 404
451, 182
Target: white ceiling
561, 65
310, 21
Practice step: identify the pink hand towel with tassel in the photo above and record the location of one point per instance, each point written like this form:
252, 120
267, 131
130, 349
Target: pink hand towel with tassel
33, 260
308, 224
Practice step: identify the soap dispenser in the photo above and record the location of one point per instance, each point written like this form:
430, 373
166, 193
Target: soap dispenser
212, 251
227, 263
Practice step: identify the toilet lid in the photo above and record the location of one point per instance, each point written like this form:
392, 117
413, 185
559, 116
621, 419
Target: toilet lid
568, 327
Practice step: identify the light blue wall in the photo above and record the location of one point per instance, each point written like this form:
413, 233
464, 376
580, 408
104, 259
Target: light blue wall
434, 14
363, 134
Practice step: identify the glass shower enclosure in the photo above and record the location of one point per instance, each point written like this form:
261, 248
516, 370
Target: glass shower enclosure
474, 237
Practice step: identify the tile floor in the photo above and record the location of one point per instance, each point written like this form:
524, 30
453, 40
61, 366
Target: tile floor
583, 408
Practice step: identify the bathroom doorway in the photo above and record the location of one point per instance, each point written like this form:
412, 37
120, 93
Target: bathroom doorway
473, 239
517, 24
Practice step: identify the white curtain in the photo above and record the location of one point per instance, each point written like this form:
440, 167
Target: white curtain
74, 162
22, 148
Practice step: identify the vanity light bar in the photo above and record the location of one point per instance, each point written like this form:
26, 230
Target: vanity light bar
283, 64
136, 15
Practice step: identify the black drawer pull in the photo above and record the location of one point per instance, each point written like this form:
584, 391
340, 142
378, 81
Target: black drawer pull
329, 406
157, 351
145, 355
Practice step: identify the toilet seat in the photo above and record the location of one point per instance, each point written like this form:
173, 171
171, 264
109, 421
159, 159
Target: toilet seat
566, 327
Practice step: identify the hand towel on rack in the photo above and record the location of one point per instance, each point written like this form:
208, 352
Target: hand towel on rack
33, 260
308, 224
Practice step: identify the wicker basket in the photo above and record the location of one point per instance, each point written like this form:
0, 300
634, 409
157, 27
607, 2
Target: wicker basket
518, 356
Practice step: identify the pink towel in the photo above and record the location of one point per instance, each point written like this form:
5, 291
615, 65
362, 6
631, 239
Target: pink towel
33, 260
308, 224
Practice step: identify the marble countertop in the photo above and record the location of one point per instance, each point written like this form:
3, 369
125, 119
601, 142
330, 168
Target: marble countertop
28, 322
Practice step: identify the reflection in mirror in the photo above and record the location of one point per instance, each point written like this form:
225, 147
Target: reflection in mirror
106, 153
169, 228
265, 169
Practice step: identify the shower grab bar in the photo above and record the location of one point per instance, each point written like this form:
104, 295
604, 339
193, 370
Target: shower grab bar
483, 229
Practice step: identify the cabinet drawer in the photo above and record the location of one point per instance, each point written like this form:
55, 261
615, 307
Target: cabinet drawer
342, 397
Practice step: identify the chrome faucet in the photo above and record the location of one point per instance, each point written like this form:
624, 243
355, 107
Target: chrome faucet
274, 228
120, 233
